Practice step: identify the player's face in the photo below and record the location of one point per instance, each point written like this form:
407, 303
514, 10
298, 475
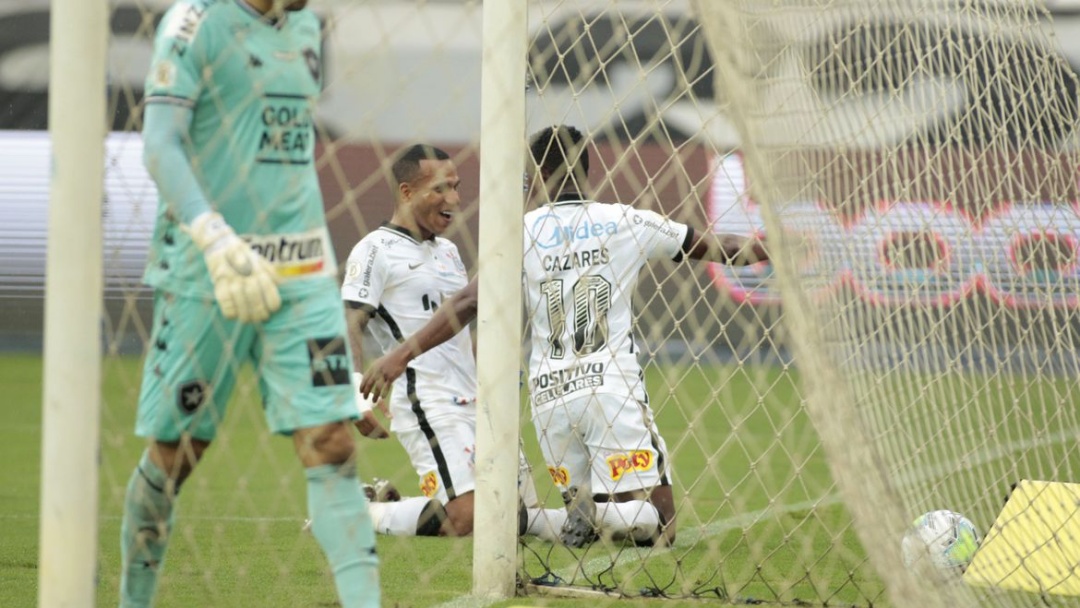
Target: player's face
433, 198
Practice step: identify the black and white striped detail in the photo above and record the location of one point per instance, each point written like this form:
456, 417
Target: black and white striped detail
418, 410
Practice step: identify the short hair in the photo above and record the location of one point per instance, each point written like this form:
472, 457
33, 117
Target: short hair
560, 152
407, 162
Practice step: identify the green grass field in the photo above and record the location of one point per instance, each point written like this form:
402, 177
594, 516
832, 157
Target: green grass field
759, 517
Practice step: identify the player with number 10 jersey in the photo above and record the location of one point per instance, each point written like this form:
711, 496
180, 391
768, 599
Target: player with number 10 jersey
582, 263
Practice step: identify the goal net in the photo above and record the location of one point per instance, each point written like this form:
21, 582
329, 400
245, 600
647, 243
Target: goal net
911, 347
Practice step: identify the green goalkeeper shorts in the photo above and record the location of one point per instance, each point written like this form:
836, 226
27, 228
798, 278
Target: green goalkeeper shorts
300, 357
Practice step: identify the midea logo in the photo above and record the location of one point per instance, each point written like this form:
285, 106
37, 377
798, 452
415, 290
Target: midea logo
548, 231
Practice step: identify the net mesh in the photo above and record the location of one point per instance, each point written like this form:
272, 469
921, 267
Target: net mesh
914, 158
911, 165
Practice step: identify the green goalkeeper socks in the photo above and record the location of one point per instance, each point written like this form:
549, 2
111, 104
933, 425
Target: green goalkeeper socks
144, 533
342, 526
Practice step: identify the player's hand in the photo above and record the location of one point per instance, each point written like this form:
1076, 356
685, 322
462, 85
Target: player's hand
382, 373
245, 284
368, 424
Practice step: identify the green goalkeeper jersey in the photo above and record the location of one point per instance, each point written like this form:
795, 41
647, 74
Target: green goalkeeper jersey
251, 85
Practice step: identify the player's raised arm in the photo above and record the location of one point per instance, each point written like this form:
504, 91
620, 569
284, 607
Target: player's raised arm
454, 314
731, 249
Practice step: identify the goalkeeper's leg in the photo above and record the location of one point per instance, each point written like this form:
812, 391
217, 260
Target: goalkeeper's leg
303, 359
338, 510
183, 395
149, 514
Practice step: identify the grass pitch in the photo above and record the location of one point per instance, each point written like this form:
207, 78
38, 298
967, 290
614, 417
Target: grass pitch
759, 517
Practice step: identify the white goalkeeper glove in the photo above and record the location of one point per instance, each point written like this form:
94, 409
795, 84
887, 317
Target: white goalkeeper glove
245, 284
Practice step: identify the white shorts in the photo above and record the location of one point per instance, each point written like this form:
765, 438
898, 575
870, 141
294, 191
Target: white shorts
443, 452
608, 443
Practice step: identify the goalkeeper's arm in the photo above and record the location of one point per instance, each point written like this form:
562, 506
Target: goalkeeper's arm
451, 317
165, 131
244, 282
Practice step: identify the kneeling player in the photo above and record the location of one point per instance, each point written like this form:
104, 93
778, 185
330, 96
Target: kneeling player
396, 279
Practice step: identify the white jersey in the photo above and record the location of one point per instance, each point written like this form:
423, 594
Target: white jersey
582, 261
401, 282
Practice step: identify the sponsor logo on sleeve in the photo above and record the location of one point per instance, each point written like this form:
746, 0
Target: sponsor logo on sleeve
164, 74
663, 228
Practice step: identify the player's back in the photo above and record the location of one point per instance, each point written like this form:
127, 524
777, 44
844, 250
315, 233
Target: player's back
581, 265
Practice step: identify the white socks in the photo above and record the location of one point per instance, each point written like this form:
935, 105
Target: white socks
545, 523
635, 519
397, 518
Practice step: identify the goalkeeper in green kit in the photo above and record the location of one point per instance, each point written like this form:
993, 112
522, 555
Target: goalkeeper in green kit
243, 271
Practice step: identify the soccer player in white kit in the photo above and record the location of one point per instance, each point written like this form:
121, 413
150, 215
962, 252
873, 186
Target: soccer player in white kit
590, 408
396, 279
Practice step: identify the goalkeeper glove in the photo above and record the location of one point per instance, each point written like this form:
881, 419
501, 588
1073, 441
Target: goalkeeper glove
245, 284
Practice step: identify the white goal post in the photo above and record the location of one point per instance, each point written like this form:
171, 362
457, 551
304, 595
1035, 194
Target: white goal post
502, 162
71, 408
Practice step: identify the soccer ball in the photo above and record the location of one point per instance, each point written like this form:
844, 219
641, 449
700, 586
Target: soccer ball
940, 541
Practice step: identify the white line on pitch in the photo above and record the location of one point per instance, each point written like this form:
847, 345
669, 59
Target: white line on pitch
235, 519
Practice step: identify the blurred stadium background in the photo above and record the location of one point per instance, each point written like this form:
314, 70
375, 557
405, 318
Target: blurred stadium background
983, 289
660, 112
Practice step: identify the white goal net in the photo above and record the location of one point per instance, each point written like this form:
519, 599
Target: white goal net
911, 166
